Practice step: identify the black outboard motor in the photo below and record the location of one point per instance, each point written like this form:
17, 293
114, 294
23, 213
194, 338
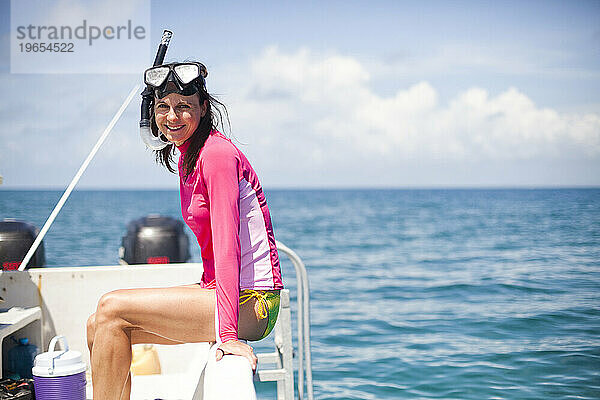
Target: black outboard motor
16, 237
155, 240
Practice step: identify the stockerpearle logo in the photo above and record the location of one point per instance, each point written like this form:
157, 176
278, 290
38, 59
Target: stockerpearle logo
79, 36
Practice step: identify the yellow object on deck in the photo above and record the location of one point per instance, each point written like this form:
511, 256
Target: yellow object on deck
144, 360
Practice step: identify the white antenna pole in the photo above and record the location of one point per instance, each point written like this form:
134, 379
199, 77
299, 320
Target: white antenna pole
82, 169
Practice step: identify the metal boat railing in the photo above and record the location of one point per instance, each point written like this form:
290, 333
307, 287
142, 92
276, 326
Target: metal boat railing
284, 375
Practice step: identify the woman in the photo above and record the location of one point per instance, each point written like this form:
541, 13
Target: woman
223, 203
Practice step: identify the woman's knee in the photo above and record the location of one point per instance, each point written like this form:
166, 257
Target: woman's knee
110, 307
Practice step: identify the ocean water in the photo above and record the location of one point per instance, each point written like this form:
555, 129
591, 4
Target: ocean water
415, 294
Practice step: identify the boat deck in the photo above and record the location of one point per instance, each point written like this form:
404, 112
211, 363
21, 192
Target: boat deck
58, 301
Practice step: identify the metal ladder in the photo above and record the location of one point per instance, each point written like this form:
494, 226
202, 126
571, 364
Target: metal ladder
283, 374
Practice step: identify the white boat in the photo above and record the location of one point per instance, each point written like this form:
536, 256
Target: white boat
40, 303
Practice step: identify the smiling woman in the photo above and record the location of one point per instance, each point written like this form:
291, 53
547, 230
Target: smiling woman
223, 203
178, 116
181, 104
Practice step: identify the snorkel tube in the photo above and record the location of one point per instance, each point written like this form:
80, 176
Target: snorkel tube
152, 141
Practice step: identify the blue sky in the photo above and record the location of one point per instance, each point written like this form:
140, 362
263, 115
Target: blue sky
339, 94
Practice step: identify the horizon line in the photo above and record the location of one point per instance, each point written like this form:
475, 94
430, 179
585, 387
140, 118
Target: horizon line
314, 188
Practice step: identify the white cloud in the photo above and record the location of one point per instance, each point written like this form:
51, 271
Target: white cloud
302, 97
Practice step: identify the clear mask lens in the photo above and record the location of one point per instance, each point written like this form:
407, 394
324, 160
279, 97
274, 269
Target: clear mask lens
156, 76
187, 72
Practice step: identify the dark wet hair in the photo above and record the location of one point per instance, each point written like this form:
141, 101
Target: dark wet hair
212, 119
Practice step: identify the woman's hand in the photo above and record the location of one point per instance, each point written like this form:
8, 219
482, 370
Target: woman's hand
239, 349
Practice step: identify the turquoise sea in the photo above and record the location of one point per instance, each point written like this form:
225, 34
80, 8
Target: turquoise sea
415, 294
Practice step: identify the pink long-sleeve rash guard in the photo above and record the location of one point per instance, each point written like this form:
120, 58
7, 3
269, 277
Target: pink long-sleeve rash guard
224, 205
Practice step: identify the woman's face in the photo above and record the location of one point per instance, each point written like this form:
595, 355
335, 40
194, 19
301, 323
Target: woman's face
178, 116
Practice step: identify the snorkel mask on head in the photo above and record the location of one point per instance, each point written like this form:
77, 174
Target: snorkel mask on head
184, 78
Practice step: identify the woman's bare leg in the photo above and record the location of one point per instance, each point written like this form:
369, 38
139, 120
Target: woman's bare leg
136, 336
174, 315
181, 314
